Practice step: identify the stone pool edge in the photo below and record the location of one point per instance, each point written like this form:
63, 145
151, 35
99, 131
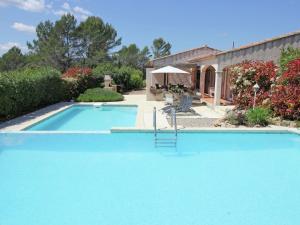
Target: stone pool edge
28, 120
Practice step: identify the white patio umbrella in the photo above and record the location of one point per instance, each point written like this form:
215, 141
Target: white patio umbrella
168, 70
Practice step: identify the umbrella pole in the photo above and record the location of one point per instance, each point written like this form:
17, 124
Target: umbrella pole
167, 79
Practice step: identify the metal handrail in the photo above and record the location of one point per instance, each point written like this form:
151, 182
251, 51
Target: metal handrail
154, 121
174, 120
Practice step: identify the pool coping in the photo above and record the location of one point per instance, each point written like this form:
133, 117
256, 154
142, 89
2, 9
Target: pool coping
135, 130
210, 130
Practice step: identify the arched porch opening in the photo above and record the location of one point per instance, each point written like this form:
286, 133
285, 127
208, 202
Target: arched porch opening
209, 83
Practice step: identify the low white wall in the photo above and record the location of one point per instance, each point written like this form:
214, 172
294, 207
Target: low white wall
149, 95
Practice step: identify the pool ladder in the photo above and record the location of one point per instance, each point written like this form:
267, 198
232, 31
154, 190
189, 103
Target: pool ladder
165, 142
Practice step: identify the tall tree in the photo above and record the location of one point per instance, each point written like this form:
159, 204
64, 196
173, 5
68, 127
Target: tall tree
160, 48
63, 43
55, 44
132, 56
66, 29
12, 60
96, 39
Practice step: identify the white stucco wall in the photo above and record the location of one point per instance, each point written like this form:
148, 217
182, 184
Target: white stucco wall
183, 57
149, 95
266, 51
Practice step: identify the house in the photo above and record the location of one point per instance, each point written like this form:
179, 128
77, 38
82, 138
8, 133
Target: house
207, 65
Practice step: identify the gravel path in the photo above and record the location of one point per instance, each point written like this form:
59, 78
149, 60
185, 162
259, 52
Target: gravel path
195, 122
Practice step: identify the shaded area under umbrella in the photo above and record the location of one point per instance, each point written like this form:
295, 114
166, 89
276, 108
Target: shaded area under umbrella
168, 70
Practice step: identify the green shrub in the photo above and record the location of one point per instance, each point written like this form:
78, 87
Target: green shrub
83, 77
288, 55
25, 90
258, 116
235, 117
99, 95
104, 69
122, 77
136, 81
127, 77
74, 87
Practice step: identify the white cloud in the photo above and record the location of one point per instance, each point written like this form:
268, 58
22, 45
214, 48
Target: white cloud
60, 12
49, 5
28, 5
4, 47
82, 11
83, 17
66, 6
78, 12
65, 9
23, 27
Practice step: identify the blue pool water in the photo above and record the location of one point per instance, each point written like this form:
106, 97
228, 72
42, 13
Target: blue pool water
123, 179
89, 118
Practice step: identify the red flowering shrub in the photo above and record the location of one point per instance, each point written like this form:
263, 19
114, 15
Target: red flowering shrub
76, 72
286, 94
245, 75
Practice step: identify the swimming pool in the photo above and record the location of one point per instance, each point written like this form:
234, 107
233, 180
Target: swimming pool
124, 179
88, 118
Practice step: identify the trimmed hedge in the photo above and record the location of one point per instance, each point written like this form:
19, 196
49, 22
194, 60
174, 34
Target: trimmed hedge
26, 90
100, 95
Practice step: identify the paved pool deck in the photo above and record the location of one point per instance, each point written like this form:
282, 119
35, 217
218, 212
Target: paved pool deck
144, 120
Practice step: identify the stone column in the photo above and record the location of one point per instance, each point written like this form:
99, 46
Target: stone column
202, 82
149, 95
218, 86
193, 77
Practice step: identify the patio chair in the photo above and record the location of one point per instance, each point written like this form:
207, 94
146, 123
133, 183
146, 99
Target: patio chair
169, 100
187, 104
196, 95
167, 109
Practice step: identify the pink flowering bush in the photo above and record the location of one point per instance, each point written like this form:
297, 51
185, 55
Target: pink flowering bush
245, 75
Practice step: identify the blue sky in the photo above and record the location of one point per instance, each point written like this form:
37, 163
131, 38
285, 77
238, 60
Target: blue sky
185, 24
